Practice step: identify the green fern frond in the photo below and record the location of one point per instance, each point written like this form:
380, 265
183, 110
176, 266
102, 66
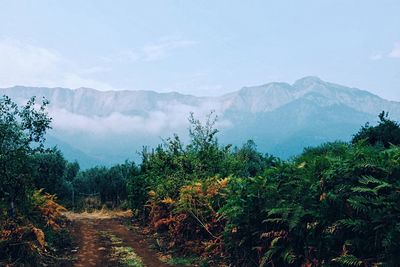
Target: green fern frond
289, 256
353, 224
357, 205
348, 260
370, 180
268, 256
360, 189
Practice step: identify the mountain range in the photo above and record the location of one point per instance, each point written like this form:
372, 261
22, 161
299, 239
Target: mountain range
107, 127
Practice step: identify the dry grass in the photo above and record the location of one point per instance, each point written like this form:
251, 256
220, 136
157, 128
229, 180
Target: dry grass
99, 214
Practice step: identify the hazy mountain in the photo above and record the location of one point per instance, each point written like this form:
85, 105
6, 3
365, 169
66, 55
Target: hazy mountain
73, 153
97, 127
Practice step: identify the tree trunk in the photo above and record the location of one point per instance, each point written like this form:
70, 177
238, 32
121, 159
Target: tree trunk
73, 197
12, 209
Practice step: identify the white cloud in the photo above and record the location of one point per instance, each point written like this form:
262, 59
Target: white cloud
122, 56
158, 51
395, 53
115, 123
26, 64
166, 118
150, 52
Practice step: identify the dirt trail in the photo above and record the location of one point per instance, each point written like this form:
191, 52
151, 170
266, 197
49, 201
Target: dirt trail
88, 253
95, 249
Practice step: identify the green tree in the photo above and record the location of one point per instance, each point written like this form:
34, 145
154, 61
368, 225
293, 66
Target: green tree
48, 171
71, 171
68, 195
385, 134
22, 131
109, 184
204, 150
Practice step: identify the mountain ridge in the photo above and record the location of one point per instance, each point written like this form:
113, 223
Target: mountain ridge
295, 85
112, 125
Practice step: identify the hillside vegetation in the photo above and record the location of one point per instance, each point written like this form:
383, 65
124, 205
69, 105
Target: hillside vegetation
333, 205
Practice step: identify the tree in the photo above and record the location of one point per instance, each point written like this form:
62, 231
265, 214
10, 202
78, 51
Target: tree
248, 162
204, 149
22, 131
107, 184
71, 171
48, 172
385, 134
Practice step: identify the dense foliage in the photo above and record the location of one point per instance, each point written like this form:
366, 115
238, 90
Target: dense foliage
99, 186
30, 220
172, 165
33, 180
22, 132
333, 205
385, 134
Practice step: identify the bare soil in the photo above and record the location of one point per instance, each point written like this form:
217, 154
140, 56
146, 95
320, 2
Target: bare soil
95, 250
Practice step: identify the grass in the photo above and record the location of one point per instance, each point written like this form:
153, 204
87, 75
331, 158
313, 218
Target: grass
113, 238
182, 261
127, 256
124, 255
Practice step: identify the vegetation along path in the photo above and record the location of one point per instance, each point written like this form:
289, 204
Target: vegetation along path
103, 240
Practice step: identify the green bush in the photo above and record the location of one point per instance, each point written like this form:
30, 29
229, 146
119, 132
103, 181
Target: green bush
325, 208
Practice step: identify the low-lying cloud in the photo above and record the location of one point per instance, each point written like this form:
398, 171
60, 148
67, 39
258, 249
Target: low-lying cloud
172, 118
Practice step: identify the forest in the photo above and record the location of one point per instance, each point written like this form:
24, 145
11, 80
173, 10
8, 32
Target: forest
336, 204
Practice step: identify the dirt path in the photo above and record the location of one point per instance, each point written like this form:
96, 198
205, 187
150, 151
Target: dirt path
103, 241
89, 252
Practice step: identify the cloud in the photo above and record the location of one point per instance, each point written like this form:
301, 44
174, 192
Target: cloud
155, 51
376, 56
395, 53
164, 120
122, 56
115, 123
158, 51
25, 64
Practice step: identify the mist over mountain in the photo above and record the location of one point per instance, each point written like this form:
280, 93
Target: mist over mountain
97, 127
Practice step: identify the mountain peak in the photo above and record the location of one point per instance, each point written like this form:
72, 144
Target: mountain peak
307, 82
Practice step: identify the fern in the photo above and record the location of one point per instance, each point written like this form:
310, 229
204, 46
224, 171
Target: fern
289, 256
348, 260
369, 180
268, 256
355, 225
360, 189
356, 204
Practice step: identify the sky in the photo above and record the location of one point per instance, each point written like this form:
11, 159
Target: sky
199, 47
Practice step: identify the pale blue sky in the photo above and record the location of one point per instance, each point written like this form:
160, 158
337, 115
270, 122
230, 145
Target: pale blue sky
200, 47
